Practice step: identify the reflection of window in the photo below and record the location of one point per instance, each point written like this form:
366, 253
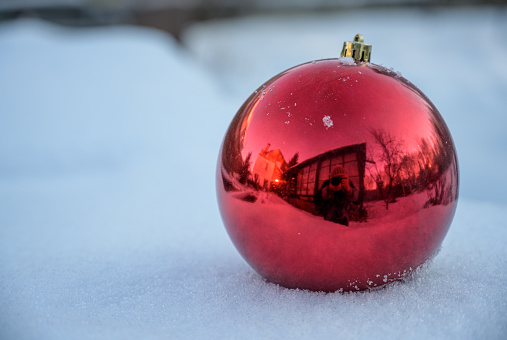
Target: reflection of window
349, 157
324, 172
336, 161
311, 177
348, 161
351, 168
306, 180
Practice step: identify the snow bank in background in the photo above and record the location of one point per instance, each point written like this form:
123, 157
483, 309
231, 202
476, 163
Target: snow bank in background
93, 99
108, 221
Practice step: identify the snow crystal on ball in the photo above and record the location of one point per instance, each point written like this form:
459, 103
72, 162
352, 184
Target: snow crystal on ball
328, 122
347, 60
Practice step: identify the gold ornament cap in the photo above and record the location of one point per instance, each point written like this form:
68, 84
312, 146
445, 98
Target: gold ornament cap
357, 49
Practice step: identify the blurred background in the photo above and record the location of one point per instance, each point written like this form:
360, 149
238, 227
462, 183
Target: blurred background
173, 16
111, 117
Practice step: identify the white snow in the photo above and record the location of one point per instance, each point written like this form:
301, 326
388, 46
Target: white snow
328, 122
109, 227
347, 60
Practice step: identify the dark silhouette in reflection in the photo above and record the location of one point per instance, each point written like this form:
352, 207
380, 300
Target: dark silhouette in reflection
333, 199
228, 185
294, 160
307, 184
244, 171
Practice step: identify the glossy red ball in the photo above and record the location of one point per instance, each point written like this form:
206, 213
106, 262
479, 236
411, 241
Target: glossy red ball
337, 175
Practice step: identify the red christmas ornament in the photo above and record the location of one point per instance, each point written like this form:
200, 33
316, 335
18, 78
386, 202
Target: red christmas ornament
337, 174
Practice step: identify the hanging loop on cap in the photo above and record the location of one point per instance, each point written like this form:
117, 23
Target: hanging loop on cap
357, 49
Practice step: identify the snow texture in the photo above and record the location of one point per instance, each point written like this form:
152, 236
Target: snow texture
328, 122
109, 227
347, 60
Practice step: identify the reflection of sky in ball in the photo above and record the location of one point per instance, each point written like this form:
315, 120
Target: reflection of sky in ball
321, 106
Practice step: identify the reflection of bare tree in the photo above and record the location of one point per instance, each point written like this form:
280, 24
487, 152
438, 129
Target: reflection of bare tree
375, 174
294, 160
431, 169
391, 158
437, 193
407, 166
244, 171
440, 159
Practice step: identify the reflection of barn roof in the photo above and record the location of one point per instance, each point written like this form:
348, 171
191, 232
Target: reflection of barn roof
328, 154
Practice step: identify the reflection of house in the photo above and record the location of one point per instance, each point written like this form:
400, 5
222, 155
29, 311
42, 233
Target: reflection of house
268, 167
305, 178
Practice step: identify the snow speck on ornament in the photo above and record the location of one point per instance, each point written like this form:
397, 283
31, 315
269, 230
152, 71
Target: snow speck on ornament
347, 61
328, 122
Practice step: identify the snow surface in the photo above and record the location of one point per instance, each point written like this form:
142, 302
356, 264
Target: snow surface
109, 227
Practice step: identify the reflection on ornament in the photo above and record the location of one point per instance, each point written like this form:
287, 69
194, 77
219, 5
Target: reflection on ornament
337, 174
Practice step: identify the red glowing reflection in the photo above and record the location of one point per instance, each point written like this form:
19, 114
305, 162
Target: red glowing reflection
337, 177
